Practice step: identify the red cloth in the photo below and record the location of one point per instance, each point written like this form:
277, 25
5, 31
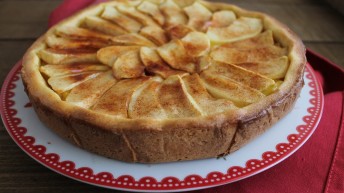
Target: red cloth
318, 166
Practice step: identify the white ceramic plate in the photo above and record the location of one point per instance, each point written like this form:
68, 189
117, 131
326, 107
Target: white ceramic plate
279, 142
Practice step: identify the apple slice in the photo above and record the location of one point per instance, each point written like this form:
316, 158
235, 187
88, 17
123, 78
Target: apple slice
155, 65
174, 99
173, 13
222, 18
154, 34
153, 11
63, 43
78, 33
57, 70
113, 15
145, 102
175, 54
65, 83
198, 16
115, 100
110, 54
54, 56
274, 69
132, 39
98, 24
225, 88
264, 39
138, 16
128, 65
178, 31
196, 44
238, 54
205, 101
88, 92
241, 75
240, 29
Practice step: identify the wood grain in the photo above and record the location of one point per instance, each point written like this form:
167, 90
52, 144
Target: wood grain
22, 21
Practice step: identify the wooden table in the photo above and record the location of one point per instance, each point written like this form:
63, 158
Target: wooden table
22, 21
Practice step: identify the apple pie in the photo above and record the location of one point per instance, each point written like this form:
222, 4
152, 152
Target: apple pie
164, 80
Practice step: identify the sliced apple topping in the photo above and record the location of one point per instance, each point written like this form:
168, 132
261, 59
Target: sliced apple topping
198, 16
98, 24
241, 75
78, 33
112, 14
274, 69
207, 103
154, 34
53, 56
175, 54
65, 83
128, 65
240, 29
115, 100
153, 11
173, 13
145, 102
196, 44
57, 70
222, 18
174, 99
223, 87
88, 92
144, 19
62, 43
263, 39
155, 64
178, 31
132, 39
110, 54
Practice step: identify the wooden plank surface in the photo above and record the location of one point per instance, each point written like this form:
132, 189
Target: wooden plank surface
22, 21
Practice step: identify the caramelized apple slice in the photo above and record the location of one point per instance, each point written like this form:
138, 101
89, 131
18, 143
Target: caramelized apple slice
238, 54
57, 70
205, 101
240, 29
176, 56
174, 99
145, 102
62, 43
110, 54
222, 18
128, 65
241, 75
274, 69
64, 83
132, 39
178, 31
88, 92
154, 34
196, 44
155, 65
129, 24
198, 16
173, 13
152, 10
115, 101
53, 56
264, 39
222, 87
138, 16
77, 33
98, 24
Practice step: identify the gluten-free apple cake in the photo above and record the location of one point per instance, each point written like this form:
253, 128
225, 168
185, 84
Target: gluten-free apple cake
164, 80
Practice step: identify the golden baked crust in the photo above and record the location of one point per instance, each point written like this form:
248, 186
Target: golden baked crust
151, 140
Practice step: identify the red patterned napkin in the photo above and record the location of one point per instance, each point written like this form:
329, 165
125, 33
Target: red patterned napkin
318, 166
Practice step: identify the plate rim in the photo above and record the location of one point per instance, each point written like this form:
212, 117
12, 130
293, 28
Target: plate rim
148, 183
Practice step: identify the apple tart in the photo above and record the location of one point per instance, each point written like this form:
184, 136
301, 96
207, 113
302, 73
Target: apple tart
164, 80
